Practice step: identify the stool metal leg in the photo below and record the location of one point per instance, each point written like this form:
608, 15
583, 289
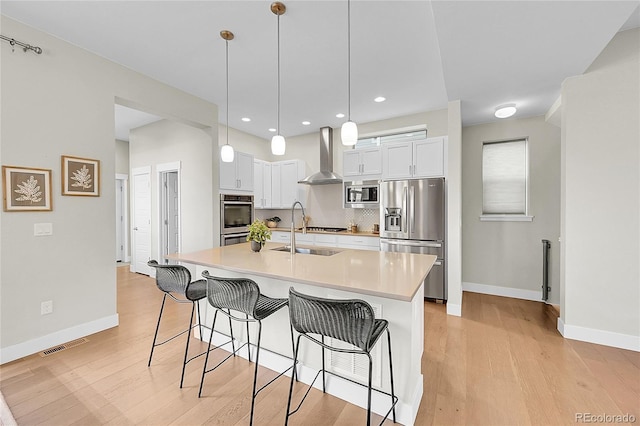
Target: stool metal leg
255, 373
186, 349
248, 341
295, 360
324, 380
206, 358
393, 395
369, 390
155, 336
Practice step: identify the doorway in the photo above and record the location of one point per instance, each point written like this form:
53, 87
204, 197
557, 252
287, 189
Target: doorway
169, 209
122, 234
141, 221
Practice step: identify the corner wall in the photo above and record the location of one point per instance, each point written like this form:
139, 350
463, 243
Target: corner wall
505, 258
62, 102
601, 205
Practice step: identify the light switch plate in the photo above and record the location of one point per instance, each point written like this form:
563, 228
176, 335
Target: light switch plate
42, 229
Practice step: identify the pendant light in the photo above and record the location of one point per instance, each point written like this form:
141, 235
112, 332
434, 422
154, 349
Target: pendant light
226, 150
349, 131
278, 144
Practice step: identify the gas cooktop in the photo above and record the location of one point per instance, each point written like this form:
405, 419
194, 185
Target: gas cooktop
324, 229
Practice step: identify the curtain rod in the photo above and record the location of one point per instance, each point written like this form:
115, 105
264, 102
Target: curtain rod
24, 46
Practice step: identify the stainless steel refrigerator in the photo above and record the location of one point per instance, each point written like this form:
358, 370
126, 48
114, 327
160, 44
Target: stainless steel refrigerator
412, 220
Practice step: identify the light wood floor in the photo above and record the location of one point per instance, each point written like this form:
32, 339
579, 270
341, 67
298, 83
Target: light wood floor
502, 363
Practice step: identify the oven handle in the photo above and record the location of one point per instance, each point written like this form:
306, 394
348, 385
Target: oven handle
241, 234
247, 203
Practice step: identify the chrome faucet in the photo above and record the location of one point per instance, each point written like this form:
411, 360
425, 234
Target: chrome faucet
293, 228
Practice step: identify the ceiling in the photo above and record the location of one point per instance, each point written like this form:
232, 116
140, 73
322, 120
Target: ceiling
417, 54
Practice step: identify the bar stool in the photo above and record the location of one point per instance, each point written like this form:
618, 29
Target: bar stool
176, 279
351, 321
241, 295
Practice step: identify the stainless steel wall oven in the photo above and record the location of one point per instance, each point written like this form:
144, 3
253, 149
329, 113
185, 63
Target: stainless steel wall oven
236, 214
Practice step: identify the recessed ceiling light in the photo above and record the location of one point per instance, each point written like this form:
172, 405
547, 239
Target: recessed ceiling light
380, 99
272, 129
505, 111
306, 123
340, 115
246, 119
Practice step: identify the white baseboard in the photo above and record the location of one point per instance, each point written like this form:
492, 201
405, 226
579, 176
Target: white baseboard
336, 386
11, 353
600, 337
453, 309
495, 290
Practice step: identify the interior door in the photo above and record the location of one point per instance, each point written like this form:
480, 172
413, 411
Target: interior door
141, 226
119, 221
170, 214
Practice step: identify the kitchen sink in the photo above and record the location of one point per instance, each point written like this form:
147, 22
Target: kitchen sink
302, 250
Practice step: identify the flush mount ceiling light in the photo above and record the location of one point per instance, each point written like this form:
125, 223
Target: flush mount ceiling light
272, 129
306, 123
278, 144
380, 99
246, 119
340, 115
505, 111
226, 150
349, 131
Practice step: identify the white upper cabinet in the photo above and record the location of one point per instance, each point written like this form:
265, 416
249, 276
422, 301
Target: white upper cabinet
362, 163
291, 171
417, 159
237, 176
276, 184
262, 187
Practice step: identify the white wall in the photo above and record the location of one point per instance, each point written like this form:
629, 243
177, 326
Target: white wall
62, 102
165, 142
122, 157
508, 255
244, 142
454, 209
600, 228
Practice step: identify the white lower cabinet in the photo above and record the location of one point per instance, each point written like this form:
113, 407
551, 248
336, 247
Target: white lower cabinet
359, 242
329, 240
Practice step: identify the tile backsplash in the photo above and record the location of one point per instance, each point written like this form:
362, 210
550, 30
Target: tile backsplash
324, 206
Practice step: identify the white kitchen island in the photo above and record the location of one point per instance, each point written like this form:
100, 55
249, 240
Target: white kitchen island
391, 282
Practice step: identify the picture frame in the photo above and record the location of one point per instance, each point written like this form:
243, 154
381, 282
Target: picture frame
80, 176
26, 189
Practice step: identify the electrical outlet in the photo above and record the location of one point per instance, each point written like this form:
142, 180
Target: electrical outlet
46, 307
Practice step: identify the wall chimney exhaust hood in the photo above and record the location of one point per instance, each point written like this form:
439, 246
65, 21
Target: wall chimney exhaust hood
326, 175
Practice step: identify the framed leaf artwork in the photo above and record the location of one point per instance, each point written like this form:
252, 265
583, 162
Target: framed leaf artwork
26, 189
80, 176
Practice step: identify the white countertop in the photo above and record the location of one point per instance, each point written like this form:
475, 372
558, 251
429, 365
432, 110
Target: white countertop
383, 274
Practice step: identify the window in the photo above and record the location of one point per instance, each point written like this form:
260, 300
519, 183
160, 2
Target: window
504, 180
396, 137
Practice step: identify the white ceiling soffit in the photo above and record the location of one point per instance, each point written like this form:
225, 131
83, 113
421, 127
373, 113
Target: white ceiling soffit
486, 52
128, 118
496, 52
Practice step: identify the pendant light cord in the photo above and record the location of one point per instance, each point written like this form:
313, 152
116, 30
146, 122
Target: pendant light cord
278, 109
349, 58
227, 62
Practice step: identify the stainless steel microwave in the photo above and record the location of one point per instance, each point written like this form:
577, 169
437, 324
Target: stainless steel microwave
361, 194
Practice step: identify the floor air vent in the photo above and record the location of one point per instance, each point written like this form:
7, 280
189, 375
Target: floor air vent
64, 346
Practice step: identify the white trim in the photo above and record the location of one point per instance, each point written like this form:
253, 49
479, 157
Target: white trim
169, 167
125, 209
600, 337
516, 293
160, 170
336, 386
144, 170
11, 353
505, 218
454, 309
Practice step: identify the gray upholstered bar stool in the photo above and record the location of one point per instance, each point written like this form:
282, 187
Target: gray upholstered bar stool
176, 280
231, 295
351, 321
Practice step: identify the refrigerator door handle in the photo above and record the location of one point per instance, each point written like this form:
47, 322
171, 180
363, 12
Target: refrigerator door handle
411, 243
412, 227
405, 209
437, 263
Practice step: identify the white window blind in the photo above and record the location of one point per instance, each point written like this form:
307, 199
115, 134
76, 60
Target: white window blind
504, 177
